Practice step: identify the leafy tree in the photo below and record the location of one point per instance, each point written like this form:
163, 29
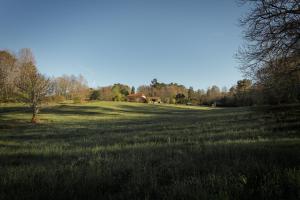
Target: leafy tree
243, 92
120, 91
166, 92
154, 83
190, 93
95, 95
213, 94
132, 90
180, 98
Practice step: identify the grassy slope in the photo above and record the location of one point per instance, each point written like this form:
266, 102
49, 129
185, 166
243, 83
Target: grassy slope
138, 151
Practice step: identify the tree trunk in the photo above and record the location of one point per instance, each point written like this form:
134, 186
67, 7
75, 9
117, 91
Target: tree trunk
35, 111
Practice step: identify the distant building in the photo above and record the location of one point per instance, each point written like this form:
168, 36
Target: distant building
154, 99
138, 97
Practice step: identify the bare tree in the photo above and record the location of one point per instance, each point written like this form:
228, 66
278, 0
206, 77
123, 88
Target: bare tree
33, 87
8, 73
71, 86
25, 55
272, 31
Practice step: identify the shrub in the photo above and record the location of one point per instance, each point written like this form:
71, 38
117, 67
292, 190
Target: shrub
95, 95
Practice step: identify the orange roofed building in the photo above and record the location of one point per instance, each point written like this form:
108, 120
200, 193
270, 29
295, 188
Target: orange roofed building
138, 97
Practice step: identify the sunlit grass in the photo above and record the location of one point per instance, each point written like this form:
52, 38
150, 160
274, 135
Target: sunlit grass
119, 150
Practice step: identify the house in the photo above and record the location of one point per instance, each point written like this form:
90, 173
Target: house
154, 100
138, 97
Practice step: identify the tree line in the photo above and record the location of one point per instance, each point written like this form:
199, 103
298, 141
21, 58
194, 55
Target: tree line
244, 93
22, 82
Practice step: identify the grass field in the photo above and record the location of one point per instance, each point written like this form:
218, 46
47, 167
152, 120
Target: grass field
108, 150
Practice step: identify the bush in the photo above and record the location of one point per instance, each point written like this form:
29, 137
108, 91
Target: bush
95, 95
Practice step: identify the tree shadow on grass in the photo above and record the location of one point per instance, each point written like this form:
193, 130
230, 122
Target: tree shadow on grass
15, 109
78, 110
159, 110
62, 110
161, 121
11, 124
209, 125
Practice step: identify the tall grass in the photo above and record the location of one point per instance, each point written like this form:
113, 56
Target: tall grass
111, 150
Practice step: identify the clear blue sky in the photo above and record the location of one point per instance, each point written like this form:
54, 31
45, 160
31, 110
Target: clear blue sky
191, 42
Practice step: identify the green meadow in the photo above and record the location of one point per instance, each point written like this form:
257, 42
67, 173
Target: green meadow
112, 150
